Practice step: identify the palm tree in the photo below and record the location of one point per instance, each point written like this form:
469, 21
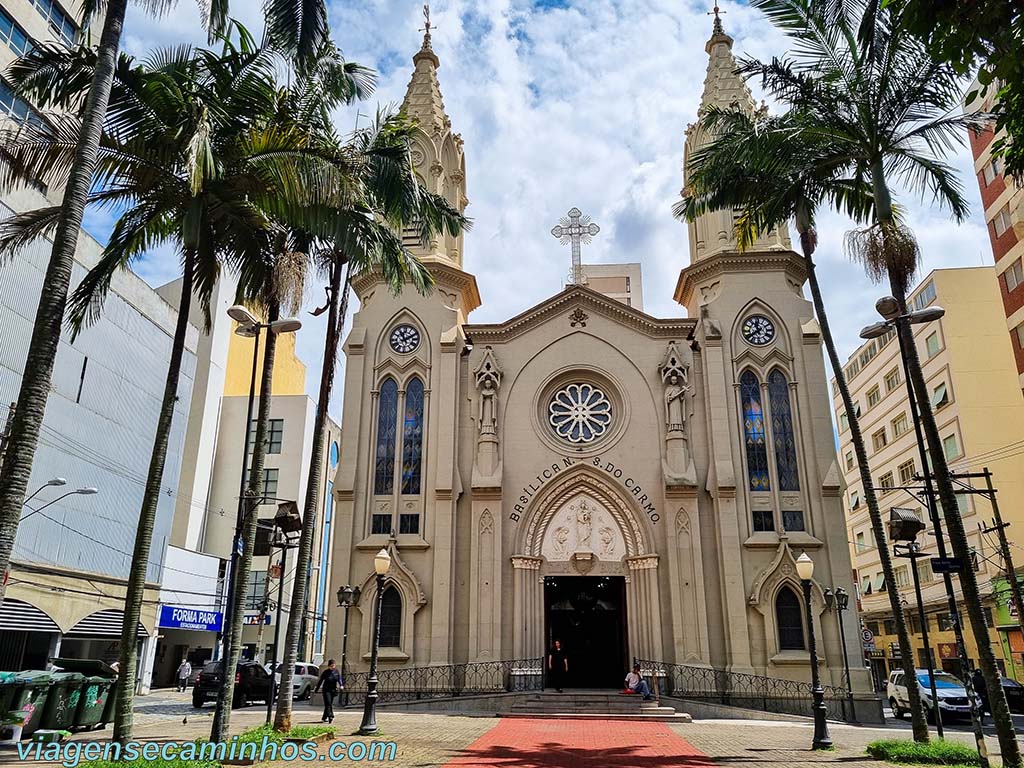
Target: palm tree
367, 239
190, 153
773, 171
884, 110
299, 28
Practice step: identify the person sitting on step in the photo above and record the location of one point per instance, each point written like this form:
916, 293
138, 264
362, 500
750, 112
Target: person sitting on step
635, 683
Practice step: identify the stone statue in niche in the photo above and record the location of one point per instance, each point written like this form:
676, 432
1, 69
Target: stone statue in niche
561, 540
677, 463
583, 526
488, 380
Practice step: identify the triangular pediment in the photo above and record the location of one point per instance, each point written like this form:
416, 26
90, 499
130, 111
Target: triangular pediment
580, 306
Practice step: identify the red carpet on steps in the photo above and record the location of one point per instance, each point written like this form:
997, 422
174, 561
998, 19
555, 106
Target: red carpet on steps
548, 743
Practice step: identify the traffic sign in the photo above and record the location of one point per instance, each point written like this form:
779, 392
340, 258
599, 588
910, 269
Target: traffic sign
867, 635
946, 565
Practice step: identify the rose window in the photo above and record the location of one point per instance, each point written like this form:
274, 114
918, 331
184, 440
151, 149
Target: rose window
580, 413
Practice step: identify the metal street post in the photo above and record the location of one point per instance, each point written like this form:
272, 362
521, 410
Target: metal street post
843, 605
889, 309
1004, 545
348, 596
381, 564
822, 738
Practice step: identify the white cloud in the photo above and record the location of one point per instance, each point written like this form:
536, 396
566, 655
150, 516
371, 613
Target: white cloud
566, 102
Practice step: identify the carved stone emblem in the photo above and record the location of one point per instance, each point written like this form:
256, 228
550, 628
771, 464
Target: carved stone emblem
578, 317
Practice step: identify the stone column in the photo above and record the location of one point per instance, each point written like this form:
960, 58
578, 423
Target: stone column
527, 608
485, 582
686, 577
643, 601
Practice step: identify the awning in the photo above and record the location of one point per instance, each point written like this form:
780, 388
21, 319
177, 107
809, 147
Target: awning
103, 624
19, 616
940, 396
880, 583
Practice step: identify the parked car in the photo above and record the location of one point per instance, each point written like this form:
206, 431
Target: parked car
251, 683
953, 701
1014, 694
303, 681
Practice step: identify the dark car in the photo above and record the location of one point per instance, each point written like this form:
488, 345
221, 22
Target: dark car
1014, 694
251, 683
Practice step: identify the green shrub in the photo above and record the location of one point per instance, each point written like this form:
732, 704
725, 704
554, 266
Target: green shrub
310, 731
935, 752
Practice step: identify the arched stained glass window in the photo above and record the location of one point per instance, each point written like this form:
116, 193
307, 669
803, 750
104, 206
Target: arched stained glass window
782, 432
387, 419
754, 436
789, 617
391, 619
412, 438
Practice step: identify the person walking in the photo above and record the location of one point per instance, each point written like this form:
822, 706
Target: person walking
184, 673
329, 681
978, 681
558, 666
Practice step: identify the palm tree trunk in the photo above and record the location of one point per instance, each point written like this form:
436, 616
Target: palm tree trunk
233, 623
42, 351
1010, 751
335, 323
136, 589
920, 725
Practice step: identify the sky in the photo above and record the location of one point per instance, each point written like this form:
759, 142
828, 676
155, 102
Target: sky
566, 103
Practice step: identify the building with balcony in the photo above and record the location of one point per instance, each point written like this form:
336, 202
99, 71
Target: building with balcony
1003, 199
972, 380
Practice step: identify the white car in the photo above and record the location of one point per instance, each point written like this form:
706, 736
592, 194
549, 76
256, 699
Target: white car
303, 680
953, 701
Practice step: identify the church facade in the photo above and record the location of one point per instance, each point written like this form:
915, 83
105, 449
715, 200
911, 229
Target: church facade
636, 487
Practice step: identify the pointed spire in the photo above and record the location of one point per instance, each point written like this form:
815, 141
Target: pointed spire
723, 87
423, 100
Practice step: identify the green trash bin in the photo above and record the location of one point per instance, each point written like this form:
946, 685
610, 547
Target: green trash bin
30, 700
95, 703
8, 685
62, 701
108, 708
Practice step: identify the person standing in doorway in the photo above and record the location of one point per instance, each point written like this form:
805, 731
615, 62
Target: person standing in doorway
184, 673
329, 681
558, 666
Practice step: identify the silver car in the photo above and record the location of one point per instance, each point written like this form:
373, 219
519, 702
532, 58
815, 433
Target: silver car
953, 700
303, 680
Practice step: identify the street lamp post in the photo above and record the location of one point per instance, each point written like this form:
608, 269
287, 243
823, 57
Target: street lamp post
348, 596
88, 491
822, 738
842, 598
248, 327
889, 308
381, 564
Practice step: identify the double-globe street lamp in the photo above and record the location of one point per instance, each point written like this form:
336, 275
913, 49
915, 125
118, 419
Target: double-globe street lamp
249, 327
348, 596
822, 739
381, 565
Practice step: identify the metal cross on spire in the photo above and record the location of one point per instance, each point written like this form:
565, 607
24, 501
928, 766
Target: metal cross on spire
718, 21
426, 25
575, 228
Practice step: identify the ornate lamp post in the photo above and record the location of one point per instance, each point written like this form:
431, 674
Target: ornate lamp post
822, 738
381, 564
842, 598
347, 597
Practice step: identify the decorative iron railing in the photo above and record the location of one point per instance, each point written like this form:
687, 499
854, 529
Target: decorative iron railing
767, 694
442, 682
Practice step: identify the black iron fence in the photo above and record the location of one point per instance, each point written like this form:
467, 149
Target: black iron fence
442, 682
767, 694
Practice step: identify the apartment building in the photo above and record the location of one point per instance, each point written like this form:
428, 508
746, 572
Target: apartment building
972, 380
73, 550
1003, 199
621, 282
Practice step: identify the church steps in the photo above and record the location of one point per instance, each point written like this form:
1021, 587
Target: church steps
596, 705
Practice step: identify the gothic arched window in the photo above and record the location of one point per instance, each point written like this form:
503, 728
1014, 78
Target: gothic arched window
391, 619
789, 617
782, 432
387, 418
754, 436
412, 438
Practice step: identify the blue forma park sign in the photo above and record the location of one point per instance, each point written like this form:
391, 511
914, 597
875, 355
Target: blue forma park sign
176, 617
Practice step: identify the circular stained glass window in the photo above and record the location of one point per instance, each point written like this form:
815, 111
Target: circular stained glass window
580, 413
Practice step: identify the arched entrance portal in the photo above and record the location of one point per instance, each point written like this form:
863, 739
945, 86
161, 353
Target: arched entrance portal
585, 574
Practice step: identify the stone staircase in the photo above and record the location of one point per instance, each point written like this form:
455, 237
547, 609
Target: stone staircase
589, 704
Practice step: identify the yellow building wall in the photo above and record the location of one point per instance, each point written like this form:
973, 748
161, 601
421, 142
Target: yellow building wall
289, 371
984, 383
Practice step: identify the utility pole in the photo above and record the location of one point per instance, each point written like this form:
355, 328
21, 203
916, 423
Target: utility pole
999, 528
